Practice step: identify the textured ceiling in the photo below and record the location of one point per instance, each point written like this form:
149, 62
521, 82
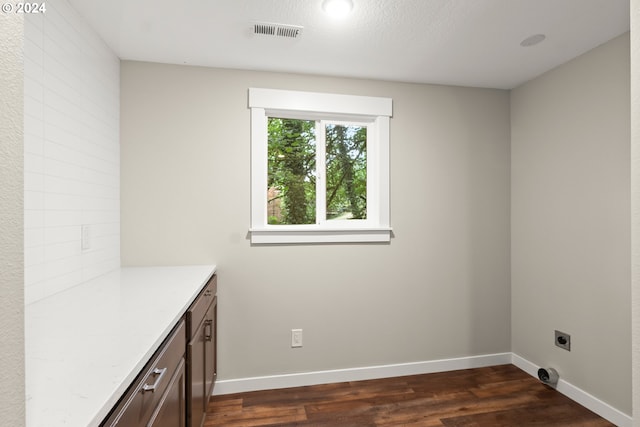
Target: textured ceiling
459, 42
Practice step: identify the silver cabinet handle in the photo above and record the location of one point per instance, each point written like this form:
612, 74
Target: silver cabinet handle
160, 373
208, 336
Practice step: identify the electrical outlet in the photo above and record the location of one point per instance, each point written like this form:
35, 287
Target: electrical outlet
296, 338
563, 340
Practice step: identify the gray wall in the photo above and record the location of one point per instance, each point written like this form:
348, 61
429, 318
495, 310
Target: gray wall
570, 194
439, 290
12, 403
635, 194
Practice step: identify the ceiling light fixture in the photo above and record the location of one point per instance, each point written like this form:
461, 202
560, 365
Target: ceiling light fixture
337, 8
532, 40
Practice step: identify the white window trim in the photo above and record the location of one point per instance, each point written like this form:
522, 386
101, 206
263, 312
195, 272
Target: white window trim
310, 105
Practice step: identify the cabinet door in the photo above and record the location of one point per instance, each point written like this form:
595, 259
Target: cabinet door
195, 353
210, 350
171, 412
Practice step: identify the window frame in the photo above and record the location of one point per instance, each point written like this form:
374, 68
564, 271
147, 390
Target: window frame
375, 111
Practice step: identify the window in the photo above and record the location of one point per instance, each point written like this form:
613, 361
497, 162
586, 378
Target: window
317, 171
320, 167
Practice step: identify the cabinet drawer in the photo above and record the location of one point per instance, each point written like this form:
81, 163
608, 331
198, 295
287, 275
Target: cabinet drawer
172, 410
143, 397
199, 308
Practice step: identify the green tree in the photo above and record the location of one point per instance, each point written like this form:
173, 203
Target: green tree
291, 168
292, 171
346, 170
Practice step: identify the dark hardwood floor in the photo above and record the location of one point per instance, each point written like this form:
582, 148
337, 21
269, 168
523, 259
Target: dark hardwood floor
494, 396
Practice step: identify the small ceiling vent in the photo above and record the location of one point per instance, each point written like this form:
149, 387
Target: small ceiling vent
277, 30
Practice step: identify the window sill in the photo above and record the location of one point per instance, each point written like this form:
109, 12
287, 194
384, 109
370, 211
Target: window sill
297, 235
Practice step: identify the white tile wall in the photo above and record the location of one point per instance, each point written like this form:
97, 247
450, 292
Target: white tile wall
72, 152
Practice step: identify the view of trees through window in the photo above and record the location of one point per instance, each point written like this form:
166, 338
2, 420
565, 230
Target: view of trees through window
294, 166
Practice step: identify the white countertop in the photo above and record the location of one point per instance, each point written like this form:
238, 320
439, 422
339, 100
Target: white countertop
85, 346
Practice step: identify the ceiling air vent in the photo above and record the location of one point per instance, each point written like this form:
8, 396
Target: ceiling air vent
277, 30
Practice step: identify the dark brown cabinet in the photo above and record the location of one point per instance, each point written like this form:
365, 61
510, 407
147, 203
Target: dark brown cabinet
172, 410
157, 397
174, 387
210, 349
201, 353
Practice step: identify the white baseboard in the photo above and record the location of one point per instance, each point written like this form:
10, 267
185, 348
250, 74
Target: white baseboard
576, 394
386, 371
357, 374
